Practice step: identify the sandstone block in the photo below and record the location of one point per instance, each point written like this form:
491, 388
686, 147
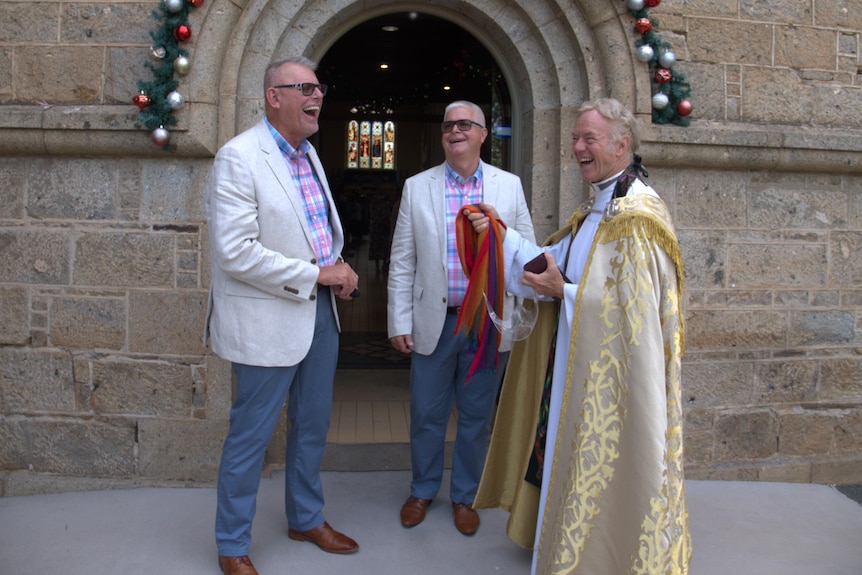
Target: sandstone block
13, 179
786, 381
711, 40
42, 73
844, 472
34, 257
841, 379
848, 432
81, 447
124, 259
837, 13
703, 256
803, 47
137, 387
181, 449
807, 433
22, 22
36, 380
87, 23
709, 329
821, 328
846, 269
743, 435
712, 384
710, 200
789, 11
167, 322
773, 208
80, 190
174, 191
88, 323
14, 316
764, 265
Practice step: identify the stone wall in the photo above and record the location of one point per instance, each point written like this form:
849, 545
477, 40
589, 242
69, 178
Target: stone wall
104, 380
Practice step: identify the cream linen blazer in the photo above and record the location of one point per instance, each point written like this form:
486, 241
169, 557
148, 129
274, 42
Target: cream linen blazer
264, 268
418, 288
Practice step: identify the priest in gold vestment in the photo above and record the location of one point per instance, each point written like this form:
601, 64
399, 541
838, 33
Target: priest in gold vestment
586, 452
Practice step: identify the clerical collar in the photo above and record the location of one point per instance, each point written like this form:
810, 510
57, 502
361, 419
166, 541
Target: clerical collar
604, 185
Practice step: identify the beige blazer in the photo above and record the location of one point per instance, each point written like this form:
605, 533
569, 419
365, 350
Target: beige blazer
418, 288
264, 268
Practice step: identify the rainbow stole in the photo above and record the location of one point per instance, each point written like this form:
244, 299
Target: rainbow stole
481, 257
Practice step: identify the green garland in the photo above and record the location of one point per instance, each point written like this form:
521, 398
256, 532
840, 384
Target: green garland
166, 48
676, 88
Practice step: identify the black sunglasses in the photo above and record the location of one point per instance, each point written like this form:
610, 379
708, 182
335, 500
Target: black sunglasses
463, 125
307, 88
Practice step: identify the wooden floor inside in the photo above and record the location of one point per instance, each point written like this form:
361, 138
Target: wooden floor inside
370, 405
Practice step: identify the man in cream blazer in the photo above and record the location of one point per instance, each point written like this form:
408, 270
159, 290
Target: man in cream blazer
426, 287
276, 241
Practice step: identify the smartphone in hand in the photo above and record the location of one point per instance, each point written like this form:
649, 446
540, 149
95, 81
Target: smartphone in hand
537, 265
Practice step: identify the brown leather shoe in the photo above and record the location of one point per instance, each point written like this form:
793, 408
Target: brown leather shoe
326, 538
236, 565
413, 511
466, 518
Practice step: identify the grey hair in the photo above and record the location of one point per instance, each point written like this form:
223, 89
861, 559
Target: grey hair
466, 104
623, 122
269, 75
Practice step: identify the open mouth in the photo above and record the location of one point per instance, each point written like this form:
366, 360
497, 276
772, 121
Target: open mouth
312, 111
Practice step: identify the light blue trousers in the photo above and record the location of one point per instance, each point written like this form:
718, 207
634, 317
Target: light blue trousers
436, 382
260, 395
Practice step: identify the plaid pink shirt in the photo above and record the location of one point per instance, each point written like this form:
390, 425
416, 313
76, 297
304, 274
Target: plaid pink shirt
459, 192
316, 205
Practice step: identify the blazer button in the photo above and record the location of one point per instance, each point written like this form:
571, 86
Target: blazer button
312, 297
314, 261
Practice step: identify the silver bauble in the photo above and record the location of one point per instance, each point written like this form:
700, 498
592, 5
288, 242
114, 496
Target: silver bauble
160, 136
182, 65
158, 52
660, 101
667, 59
175, 100
174, 6
635, 5
645, 53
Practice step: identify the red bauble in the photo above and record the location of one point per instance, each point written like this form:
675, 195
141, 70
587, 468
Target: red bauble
183, 33
662, 75
196, 3
684, 107
141, 100
653, 3
643, 25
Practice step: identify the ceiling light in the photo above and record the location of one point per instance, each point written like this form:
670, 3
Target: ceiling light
390, 28
446, 88
384, 66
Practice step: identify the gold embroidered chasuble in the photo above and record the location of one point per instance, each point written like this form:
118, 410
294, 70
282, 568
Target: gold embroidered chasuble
616, 499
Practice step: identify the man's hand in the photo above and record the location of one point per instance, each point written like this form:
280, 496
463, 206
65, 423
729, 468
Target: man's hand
340, 277
403, 343
549, 283
480, 220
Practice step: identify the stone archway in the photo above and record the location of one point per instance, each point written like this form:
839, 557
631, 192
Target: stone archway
552, 57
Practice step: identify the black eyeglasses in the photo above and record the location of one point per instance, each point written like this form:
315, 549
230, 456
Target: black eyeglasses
463, 125
307, 88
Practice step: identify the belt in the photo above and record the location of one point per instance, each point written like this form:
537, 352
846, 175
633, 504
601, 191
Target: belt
453, 310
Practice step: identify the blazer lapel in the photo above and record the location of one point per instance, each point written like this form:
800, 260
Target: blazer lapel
278, 167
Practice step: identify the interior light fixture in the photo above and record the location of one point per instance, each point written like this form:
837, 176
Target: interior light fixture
384, 66
390, 28
446, 88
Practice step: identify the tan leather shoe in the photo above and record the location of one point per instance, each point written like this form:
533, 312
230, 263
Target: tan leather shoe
413, 511
326, 538
466, 518
236, 565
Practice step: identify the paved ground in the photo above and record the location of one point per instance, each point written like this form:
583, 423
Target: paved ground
738, 529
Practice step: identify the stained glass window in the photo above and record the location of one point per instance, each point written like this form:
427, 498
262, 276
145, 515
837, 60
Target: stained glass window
371, 145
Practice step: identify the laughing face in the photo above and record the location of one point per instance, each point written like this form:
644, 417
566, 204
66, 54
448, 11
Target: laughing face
597, 155
464, 145
294, 115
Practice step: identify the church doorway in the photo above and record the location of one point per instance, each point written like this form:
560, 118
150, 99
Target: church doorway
390, 78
